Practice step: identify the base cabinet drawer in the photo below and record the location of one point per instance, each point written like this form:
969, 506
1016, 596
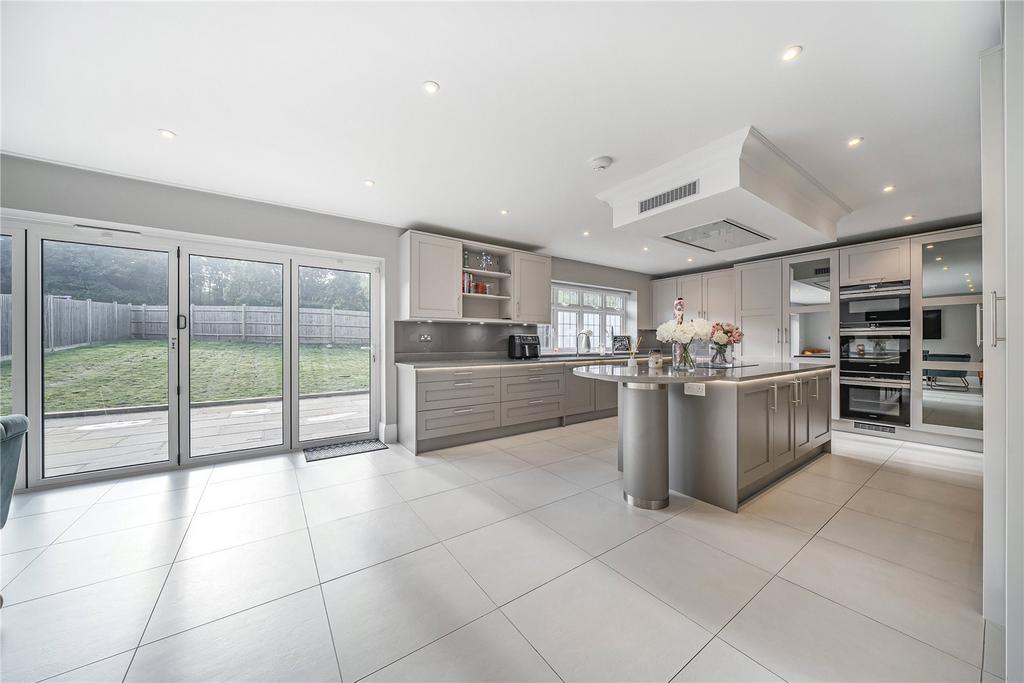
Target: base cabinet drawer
532, 386
448, 421
530, 410
457, 393
457, 374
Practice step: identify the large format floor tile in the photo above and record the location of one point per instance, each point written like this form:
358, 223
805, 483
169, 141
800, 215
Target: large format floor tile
843, 468
792, 509
915, 486
512, 557
938, 463
215, 585
542, 453
593, 522
249, 468
138, 511
585, 471
594, 625
52, 500
13, 564
491, 465
871, 449
103, 671
345, 470
89, 560
488, 649
160, 482
532, 488
36, 531
834, 491
387, 611
761, 542
939, 518
234, 492
353, 543
933, 554
801, 636
707, 585
344, 500
933, 611
424, 481
460, 510
68, 630
580, 442
212, 531
719, 661
284, 640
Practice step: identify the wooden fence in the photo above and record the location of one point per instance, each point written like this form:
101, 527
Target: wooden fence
75, 322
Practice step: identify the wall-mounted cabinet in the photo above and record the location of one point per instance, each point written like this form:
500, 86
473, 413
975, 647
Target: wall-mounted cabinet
875, 262
708, 295
759, 310
449, 279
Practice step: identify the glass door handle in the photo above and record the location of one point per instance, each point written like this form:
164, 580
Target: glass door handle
995, 318
977, 325
182, 321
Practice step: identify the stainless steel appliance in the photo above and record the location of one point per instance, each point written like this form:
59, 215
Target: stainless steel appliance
885, 304
875, 352
875, 399
523, 346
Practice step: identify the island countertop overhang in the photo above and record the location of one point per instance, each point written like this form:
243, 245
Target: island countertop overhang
667, 375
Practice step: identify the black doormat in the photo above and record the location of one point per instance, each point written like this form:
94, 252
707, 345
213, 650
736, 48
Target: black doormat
339, 449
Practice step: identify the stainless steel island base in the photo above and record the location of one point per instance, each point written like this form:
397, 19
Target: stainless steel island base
643, 423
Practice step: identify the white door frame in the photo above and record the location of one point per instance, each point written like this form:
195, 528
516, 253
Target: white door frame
371, 267
36, 235
18, 373
237, 253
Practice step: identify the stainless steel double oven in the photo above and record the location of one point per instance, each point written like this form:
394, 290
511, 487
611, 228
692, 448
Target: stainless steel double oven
874, 353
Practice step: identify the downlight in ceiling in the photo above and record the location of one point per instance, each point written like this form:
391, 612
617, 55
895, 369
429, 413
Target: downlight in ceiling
719, 236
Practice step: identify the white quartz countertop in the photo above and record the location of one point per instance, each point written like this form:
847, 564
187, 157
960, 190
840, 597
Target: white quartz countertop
489, 362
667, 375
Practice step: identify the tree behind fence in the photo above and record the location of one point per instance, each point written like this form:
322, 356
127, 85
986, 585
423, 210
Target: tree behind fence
74, 322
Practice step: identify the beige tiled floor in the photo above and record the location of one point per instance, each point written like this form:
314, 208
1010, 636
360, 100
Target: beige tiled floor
509, 560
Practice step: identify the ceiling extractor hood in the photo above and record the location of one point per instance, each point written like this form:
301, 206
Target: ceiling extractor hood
736, 198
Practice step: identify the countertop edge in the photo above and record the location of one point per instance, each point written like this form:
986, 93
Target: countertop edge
749, 373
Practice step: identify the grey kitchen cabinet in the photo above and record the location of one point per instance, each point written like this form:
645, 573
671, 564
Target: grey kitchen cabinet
759, 310
663, 297
690, 289
606, 395
708, 295
755, 425
531, 288
431, 424
875, 262
783, 427
531, 410
532, 386
819, 399
431, 267
457, 393
719, 296
580, 392
801, 390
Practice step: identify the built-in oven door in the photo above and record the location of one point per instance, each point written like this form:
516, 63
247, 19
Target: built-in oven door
874, 309
874, 352
873, 400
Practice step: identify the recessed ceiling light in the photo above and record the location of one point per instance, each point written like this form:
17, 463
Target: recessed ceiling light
929, 246
504, 212
645, 248
586, 233
166, 134
689, 260
854, 142
938, 258
909, 217
888, 188
791, 53
369, 183
431, 87
945, 267
967, 274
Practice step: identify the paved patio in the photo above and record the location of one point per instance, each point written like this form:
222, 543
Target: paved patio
96, 442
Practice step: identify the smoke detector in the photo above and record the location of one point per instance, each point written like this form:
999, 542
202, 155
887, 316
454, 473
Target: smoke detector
600, 163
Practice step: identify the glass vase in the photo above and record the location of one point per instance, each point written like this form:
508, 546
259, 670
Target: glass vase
681, 357
722, 354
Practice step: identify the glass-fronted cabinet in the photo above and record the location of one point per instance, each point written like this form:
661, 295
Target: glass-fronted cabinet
811, 291
947, 345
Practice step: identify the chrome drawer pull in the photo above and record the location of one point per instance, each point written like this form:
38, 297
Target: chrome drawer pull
463, 372
535, 402
460, 411
463, 384
534, 379
775, 397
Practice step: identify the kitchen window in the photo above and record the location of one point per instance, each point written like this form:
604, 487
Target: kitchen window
576, 308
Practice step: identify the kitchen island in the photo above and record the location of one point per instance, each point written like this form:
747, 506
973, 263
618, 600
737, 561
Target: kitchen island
717, 435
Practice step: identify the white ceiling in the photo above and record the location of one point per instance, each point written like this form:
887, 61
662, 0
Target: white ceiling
298, 103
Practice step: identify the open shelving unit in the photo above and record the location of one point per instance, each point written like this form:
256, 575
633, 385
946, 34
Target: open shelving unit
497, 277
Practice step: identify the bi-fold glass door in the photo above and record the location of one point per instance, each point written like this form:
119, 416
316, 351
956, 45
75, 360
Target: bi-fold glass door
153, 353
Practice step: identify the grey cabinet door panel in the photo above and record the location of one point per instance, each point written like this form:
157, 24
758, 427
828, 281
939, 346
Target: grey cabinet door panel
579, 393
532, 386
449, 421
606, 395
457, 393
821, 406
532, 409
755, 419
802, 438
783, 451
532, 369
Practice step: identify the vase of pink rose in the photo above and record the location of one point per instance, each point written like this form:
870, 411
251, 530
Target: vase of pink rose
724, 336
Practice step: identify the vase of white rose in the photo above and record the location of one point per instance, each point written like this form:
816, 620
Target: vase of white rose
681, 334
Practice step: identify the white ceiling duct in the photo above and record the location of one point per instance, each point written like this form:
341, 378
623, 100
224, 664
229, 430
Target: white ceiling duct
735, 198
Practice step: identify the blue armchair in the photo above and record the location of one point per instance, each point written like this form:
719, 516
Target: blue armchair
12, 433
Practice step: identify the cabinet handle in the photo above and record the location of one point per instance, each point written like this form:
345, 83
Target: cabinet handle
995, 319
817, 388
463, 372
530, 403
775, 397
463, 384
796, 392
534, 379
462, 410
778, 335
785, 334
977, 325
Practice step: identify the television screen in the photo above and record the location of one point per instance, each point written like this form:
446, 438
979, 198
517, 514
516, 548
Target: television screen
932, 320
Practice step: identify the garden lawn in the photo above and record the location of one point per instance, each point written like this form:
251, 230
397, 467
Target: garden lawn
134, 373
